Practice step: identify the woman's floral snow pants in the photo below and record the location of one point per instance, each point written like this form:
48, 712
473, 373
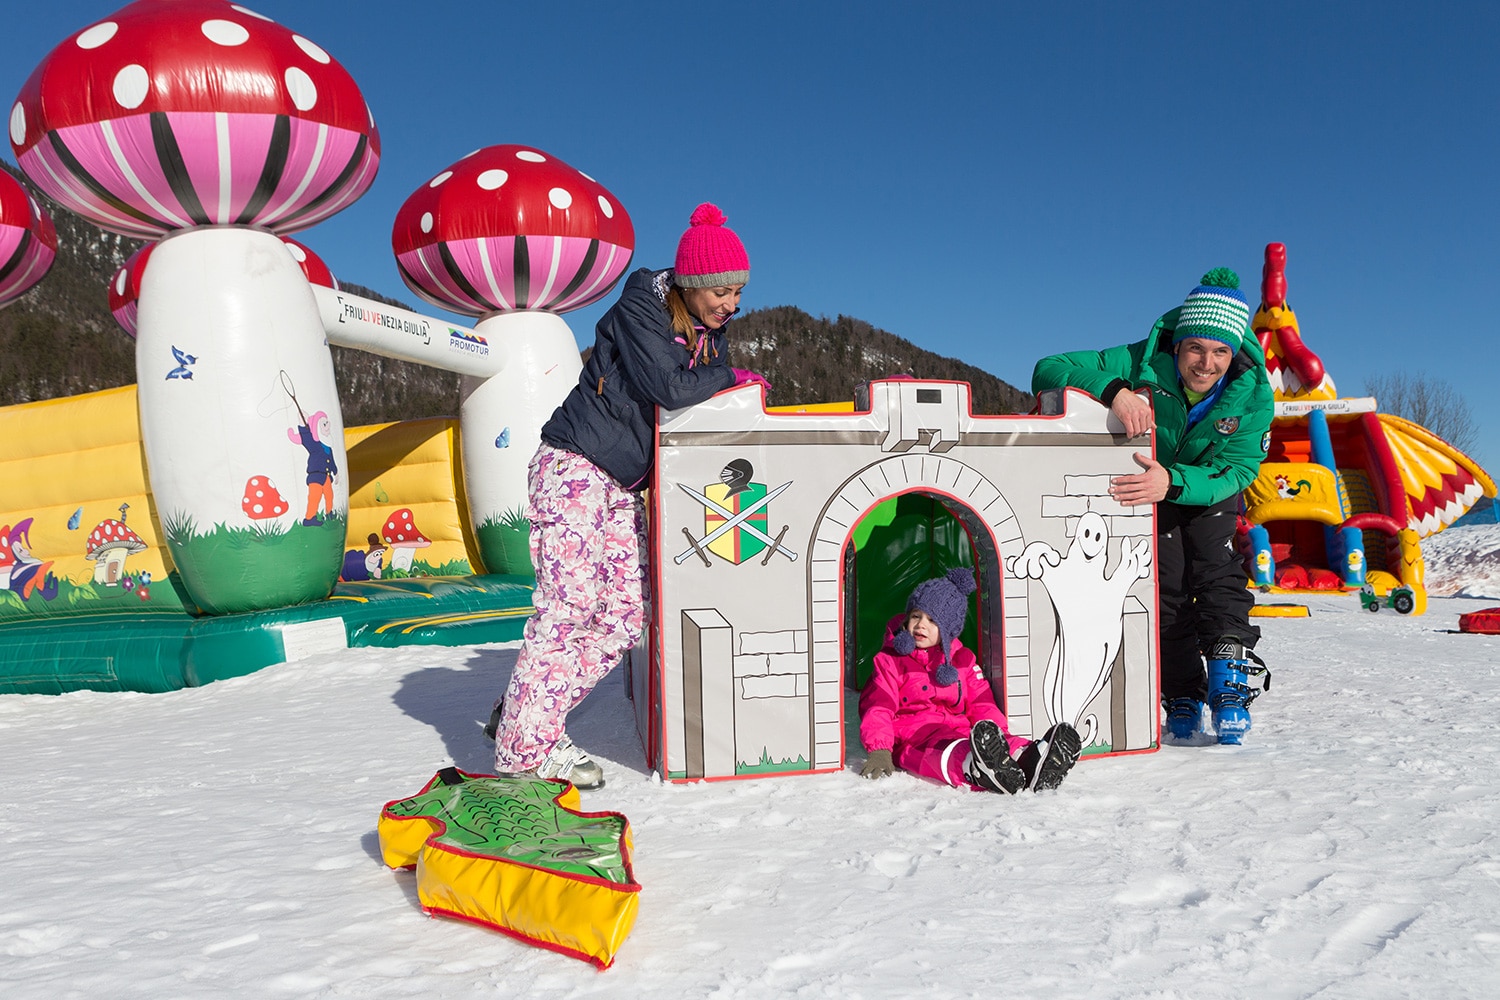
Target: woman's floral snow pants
587, 539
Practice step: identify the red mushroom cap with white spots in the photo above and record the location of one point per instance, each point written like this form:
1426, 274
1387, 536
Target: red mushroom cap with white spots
194, 112
511, 227
262, 500
111, 534
400, 531
28, 243
317, 272
125, 288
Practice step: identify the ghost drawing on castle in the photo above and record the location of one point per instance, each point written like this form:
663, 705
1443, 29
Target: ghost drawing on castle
1090, 608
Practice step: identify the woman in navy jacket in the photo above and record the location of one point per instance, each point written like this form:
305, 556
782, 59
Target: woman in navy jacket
662, 344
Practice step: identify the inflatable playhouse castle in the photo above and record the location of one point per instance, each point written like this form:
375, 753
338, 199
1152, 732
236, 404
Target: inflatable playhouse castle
761, 522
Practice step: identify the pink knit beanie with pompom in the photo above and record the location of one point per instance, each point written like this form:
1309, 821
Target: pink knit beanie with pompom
709, 253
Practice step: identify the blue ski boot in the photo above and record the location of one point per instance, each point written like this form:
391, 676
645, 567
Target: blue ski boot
1184, 718
1229, 690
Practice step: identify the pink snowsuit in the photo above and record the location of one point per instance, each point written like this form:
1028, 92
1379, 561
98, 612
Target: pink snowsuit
924, 724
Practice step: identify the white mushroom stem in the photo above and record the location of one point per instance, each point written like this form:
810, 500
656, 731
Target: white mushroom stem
217, 399
402, 556
544, 367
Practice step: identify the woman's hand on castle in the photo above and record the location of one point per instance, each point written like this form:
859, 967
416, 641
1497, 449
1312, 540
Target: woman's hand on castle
744, 376
878, 765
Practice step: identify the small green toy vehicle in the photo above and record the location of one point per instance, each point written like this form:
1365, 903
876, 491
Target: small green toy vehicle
1403, 599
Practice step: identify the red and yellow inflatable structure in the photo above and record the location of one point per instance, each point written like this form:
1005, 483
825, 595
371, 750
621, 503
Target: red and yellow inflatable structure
1346, 493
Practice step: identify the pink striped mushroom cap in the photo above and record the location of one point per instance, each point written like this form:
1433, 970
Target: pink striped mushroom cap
28, 243
125, 287
512, 227
194, 112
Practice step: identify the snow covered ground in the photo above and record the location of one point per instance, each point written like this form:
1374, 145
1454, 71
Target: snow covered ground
220, 842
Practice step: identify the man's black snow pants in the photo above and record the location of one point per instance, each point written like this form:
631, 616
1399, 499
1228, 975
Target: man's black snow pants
1203, 593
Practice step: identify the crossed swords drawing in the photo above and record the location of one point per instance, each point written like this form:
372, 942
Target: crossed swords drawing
733, 520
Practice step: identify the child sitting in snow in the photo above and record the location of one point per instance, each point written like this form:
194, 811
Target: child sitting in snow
927, 708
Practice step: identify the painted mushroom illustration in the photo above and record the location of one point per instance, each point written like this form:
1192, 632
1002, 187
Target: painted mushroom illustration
401, 534
262, 499
516, 236
28, 241
7, 557
109, 544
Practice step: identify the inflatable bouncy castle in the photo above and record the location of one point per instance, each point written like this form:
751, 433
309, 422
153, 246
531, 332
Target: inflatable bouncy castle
1346, 493
217, 516
212, 132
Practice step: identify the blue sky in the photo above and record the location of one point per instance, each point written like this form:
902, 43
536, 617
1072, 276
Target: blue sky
993, 181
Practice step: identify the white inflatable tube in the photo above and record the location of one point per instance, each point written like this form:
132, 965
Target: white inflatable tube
393, 332
500, 426
517, 367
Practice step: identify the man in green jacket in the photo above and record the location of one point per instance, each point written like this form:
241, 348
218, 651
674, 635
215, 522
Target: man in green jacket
1205, 388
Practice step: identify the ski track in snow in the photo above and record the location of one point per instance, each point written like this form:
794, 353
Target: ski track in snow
220, 842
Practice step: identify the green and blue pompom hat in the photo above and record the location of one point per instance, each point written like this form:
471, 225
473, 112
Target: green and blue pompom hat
1215, 310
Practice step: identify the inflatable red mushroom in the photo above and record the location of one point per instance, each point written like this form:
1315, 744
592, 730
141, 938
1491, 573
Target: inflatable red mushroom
125, 288
262, 500
512, 227
169, 115
109, 544
318, 273
401, 534
28, 243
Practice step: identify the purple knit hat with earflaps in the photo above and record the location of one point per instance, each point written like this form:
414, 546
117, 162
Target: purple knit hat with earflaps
944, 599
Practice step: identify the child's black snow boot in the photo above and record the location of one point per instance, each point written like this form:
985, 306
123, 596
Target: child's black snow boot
1047, 761
990, 764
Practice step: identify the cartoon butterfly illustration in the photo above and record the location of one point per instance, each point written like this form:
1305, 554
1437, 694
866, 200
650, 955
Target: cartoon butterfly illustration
503, 439
185, 362
75, 520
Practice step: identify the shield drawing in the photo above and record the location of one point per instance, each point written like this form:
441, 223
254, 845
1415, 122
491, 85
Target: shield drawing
736, 544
